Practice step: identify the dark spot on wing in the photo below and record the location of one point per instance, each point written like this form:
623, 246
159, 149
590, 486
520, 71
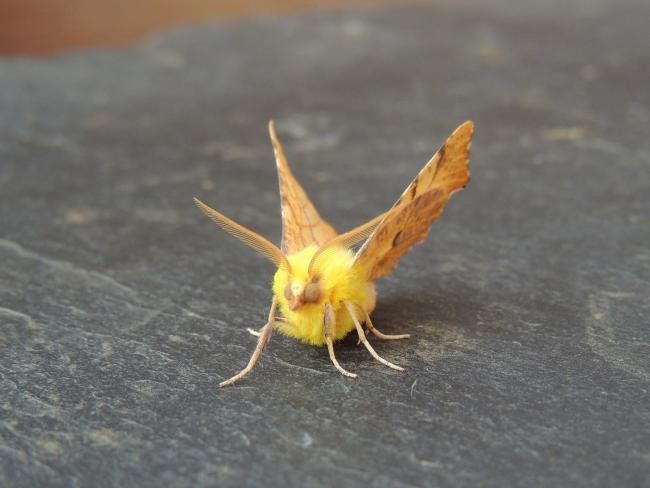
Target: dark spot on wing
441, 151
397, 238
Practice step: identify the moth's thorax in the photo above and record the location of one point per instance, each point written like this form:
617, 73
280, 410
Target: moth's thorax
337, 280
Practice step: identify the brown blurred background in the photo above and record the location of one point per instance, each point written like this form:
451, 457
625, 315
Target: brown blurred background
42, 27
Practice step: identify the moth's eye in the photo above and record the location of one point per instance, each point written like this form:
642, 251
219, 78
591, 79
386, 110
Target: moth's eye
288, 294
312, 292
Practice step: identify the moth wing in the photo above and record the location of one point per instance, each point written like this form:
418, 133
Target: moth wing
447, 169
407, 222
400, 230
354, 236
302, 225
247, 236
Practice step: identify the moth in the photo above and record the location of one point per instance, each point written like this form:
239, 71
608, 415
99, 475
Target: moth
322, 290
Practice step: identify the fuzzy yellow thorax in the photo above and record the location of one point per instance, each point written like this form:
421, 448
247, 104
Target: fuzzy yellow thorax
338, 280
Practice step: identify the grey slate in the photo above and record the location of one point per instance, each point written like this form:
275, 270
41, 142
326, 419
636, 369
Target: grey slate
122, 307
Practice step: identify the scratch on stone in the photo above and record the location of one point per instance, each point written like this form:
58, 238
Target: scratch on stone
104, 437
617, 294
139, 346
153, 388
42, 404
152, 313
24, 317
204, 337
175, 338
396, 404
301, 367
78, 216
244, 438
572, 133
425, 462
344, 386
413, 388
107, 349
24, 457
51, 446
65, 266
303, 440
307, 440
601, 335
189, 313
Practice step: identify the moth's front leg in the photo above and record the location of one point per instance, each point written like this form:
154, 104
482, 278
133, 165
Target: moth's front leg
329, 325
257, 333
263, 339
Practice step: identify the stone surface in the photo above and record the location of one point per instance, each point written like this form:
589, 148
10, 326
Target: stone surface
121, 307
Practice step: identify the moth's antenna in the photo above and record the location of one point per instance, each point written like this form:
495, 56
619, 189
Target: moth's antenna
247, 236
346, 240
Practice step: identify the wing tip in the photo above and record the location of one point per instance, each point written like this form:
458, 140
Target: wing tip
203, 207
466, 127
463, 134
274, 136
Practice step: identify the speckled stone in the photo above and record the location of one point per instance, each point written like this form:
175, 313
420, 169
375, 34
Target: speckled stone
121, 306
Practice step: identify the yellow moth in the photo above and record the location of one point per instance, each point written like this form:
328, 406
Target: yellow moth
322, 289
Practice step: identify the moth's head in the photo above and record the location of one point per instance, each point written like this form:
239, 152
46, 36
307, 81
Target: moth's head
297, 286
300, 293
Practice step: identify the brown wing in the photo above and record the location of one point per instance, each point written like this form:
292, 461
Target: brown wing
301, 223
408, 221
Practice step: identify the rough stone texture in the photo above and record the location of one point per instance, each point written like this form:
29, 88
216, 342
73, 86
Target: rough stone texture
121, 307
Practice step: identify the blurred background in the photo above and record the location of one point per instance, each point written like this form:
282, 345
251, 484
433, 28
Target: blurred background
45, 27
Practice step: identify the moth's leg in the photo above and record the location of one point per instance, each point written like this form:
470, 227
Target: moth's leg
381, 335
257, 333
263, 340
362, 338
329, 321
